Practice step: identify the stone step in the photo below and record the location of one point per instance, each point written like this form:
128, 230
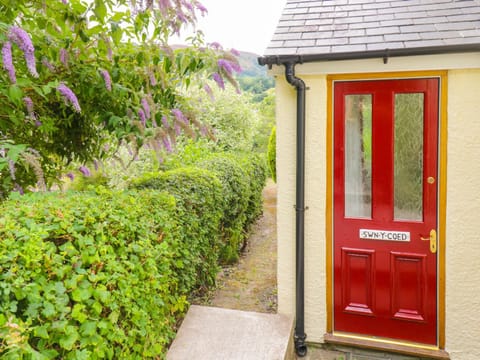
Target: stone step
209, 333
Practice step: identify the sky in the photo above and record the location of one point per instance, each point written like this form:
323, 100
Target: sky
246, 25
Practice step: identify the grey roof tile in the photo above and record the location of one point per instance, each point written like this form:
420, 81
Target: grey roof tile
350, 26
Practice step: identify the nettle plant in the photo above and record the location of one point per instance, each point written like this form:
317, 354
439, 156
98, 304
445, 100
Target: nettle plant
79, 78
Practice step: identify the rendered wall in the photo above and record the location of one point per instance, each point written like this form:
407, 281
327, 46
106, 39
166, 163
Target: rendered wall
463, 193
463, 211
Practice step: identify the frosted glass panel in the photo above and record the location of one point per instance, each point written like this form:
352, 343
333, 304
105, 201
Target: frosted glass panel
408, 156
358, 156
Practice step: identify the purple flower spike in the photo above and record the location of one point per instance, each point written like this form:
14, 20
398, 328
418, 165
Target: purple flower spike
19, 189
28, 104
65, 2
179, 116
165, 123
8, 62
218, 79
164, 6
209, 91
178, 129
202, 8
153, 81
225, 65
47, 64
146, 107
84, 170
141, 115
64, 57
38, 123
71, 176
23, 41
167, 145
107, 79
235, 52
69, 96
215, 45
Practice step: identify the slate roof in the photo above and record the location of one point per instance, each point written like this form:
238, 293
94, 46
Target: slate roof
310, 27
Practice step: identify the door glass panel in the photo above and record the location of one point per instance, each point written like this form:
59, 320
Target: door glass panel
358, 155
408, 176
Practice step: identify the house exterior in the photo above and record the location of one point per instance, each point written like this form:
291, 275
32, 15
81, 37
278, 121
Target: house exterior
378, 173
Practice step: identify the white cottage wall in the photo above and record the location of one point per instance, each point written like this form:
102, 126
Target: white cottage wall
463, 209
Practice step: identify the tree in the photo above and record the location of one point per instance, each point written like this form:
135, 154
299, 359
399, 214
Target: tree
79, 78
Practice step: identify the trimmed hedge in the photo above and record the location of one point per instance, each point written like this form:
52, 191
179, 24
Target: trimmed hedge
198, 197
89, 275
272, 154
106, 274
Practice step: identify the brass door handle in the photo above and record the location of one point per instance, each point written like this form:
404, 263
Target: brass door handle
433, 240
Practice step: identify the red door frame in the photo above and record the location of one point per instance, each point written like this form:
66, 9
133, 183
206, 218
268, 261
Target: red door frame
382, 205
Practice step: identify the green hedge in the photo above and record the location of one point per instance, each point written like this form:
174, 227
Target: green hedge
272, 154
106, 274
198, 196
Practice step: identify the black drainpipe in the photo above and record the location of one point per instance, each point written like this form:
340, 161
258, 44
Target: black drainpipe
299, 336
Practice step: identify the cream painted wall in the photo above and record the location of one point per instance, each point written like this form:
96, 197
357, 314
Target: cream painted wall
463, 195
463, 209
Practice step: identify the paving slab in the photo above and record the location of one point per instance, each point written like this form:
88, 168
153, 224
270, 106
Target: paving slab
209, 333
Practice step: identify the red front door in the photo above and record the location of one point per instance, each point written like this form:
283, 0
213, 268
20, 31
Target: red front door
385, 202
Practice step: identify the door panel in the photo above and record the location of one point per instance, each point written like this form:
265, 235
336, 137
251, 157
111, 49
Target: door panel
385, 201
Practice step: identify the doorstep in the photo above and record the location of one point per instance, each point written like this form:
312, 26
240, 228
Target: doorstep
214, 333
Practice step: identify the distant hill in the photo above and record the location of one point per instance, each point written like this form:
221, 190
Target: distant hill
248, 62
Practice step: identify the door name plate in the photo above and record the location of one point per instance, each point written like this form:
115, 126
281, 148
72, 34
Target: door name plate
384, 235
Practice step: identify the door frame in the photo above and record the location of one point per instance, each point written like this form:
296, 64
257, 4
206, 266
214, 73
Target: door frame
441, 203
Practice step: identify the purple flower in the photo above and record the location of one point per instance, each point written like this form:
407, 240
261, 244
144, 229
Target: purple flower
225, 65
141, 115
218, 79
146, 107
181, 16
153, 81
188, 6
107, 79
202, 8
64, 56
154, 123
178, 129
164, 5
69, 96
19, 189
71, 176
95, 164
165, 123
167, 145
179, 116
38, 123
209, 91
215, 45
8, 62
65, 2
28, 104
235, 52
84, 170
47, 64
23, 41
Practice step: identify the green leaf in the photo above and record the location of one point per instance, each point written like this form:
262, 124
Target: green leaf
100, 11
48, 309
78, 314
15, 94
41, 332
68, 340
80, 294
88, 328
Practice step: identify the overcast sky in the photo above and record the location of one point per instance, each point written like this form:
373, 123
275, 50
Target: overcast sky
246, 25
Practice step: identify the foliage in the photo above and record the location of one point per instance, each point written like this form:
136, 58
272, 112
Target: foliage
256, 85
89, 275
80, 77
239, 188
272, 154
198, 197
266, 110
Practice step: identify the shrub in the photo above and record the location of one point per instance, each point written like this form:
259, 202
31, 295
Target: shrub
272, 154
89, 275
198, 194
